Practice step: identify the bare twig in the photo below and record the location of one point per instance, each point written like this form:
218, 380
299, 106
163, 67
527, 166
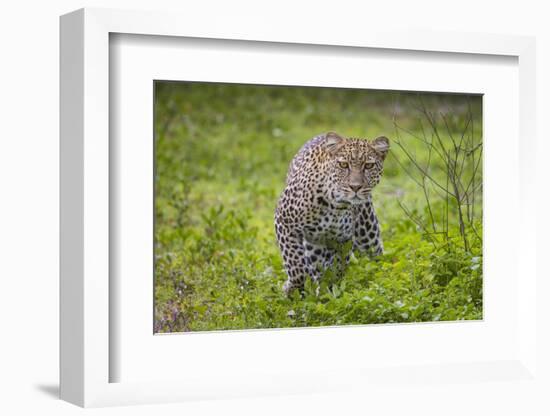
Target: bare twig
461, 161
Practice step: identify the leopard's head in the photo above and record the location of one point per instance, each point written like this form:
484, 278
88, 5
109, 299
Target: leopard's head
354, 167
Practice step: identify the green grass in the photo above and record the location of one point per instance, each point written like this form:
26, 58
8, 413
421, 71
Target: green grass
222, 152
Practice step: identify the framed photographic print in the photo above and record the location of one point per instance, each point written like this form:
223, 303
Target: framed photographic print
238, 248
280, 214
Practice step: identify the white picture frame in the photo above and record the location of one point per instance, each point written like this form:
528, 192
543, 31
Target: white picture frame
86, 356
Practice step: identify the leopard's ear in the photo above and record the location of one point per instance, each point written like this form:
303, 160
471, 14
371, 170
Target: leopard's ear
333, 142
381, 145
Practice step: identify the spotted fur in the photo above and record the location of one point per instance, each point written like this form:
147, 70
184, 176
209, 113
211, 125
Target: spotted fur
326, 203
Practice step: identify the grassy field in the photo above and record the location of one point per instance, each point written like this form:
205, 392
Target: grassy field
222, 152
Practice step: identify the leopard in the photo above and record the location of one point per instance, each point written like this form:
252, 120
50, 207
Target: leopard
327, 204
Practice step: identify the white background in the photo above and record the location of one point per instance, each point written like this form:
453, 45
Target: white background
29, 177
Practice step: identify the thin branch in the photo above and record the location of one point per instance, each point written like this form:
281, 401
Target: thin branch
417, 221
413, 160
423, 140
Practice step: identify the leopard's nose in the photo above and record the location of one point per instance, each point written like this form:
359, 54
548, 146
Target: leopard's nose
355, 188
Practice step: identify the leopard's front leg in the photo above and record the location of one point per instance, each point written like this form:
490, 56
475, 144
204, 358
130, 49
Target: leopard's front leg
367, 238
318, 258
293, 252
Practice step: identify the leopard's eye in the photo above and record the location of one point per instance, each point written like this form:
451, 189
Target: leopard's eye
343, 165
369, 165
